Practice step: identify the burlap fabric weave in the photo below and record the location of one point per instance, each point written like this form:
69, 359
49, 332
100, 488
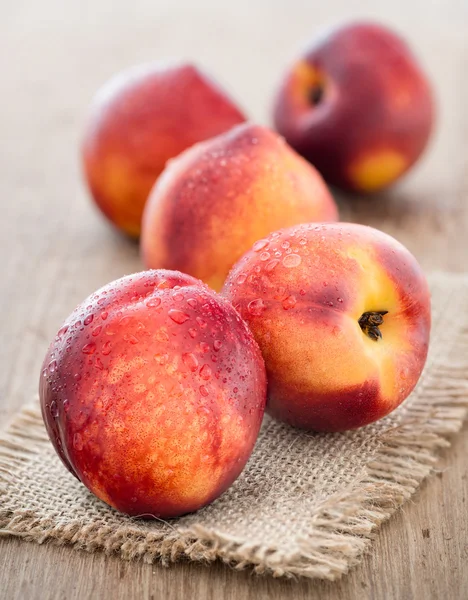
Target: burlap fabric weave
306, 504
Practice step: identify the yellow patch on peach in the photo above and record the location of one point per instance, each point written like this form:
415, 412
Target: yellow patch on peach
128, 190
341, 348
121, 367
378, 292
377, 170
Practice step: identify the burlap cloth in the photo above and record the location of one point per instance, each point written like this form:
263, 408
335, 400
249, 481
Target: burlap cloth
306, 504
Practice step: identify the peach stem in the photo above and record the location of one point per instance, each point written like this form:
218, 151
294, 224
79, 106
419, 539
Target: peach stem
370, 321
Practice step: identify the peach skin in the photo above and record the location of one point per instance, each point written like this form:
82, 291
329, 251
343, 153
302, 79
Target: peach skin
342, 315
139, 120
153, 393
215, 199
358, 105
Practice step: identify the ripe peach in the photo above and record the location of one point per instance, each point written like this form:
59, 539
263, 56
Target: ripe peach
357, 105
139, 120
153, 393
214, 200
342, 315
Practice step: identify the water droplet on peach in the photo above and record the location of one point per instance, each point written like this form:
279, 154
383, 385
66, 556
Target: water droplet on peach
217, 344
106, 348
289, 302
54, 409
292, 260
89, 348
153, 302
178, 316
264, 256
97, 330
88, 320
259, 245
241, 279
61, 332
192, 302
204, 347
190, 361
205, 372
52, 366
272, 264
104, 315
203, 391
192, 332
256, 307
201, 322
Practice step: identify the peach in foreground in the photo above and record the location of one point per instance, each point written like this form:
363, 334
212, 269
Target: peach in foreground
153, 393
342, 315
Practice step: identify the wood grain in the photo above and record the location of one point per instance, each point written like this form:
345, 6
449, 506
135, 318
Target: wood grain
55, 249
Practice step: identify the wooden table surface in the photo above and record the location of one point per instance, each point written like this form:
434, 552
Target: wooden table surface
55, 249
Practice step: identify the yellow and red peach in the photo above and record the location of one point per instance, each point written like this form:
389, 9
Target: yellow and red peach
153, 393
341, 313
215, 199
358, 105
139, 120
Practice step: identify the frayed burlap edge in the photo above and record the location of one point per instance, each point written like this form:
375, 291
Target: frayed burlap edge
342, 527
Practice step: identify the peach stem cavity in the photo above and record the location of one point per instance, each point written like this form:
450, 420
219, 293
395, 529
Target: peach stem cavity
370, 322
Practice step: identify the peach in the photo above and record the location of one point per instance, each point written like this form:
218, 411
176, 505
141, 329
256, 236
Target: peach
153, 393
214, 200
341, 313
358, 105
140, 119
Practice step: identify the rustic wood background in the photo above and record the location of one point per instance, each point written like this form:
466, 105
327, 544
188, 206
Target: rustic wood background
55, 249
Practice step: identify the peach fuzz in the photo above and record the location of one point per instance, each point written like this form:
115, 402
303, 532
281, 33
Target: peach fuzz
214, 200
342, 315
140, 119
358, 105
153, 393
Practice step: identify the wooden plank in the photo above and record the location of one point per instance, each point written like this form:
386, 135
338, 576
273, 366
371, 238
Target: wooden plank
55, 249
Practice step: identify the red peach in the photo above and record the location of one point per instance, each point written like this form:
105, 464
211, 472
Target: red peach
215, 199
358, 105
153, 393
139, 120
341, 313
